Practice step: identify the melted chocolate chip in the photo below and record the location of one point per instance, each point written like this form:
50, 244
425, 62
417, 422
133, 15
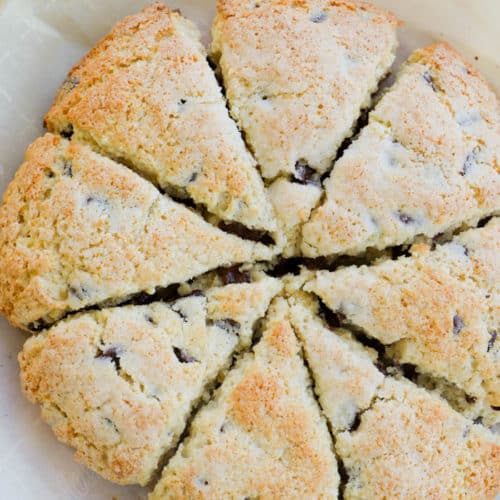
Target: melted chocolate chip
332, 319
470, 399
112, 353
68, 169
228, 325
149, 319
67, 131
484, 221
50, 174
458, 324
469, 161
37, 326
355, 423
319, 17
491, 342
79, 292
211, 63
405, 218
246, 233
496, 408
183, 356
429, 80
478, 420
229, 275
409, 371
304, 174
286, 266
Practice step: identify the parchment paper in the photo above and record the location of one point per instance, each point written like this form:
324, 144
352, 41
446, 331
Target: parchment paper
39, 41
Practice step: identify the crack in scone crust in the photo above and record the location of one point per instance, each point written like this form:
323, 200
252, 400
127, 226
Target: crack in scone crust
311, 321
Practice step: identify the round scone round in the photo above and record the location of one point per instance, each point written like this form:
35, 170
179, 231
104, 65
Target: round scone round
221, 280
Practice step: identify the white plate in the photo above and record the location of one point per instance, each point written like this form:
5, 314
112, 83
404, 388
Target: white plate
39, 42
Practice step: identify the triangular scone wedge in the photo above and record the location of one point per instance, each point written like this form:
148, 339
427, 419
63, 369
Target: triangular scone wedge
346, 380
298, 73
119, 384
426, 163
146, 95
263, 436
437, 309
412, 445
78, 229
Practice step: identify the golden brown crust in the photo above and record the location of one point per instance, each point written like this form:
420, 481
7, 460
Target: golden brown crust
437, 309
78, 229
262, 436
145, 95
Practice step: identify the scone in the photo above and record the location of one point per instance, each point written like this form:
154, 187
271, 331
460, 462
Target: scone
412, 445
263, 435
238, 292
427, 162
119, 384
146, 96
297, 75
394, 440
346, 379
78, 229
437, 309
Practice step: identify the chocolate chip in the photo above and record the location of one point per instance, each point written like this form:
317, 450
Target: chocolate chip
149, 319
286, 266
332, 319
211, 63
478, 420
469, 161
491, 342
228, 325
304, 174
458, 324
222, 428
229, 275
246, 233
400, 251
183, 356
496, 408
193, 177
470, 399
68, 169
37, 326
67, 131
429, 80
405, 218
50, 174
409, 371
182, 102
318, 17
355, 423
484, 221
80, 292
112, 353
